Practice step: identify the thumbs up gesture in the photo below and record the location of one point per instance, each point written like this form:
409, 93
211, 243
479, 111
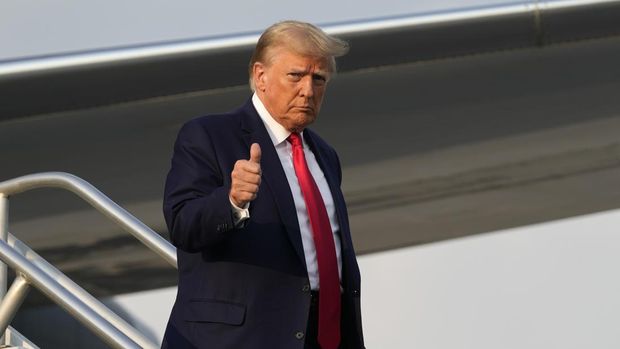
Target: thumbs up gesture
246, 177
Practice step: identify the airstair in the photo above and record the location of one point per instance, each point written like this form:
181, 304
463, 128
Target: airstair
33, 271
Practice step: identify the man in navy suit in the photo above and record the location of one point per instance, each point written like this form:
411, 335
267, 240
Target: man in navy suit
253, 205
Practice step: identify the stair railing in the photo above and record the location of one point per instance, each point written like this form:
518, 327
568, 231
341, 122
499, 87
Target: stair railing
33, 270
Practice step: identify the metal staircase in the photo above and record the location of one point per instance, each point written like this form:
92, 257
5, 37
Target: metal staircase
34, 271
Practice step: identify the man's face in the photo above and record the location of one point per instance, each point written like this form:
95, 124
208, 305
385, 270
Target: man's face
291, 87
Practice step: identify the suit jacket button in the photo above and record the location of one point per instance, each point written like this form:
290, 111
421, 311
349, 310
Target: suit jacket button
306, 288
299, 335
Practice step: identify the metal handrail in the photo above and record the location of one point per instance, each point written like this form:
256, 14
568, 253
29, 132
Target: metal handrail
79, 302
13, 338
31, 274
96, 199
85, 297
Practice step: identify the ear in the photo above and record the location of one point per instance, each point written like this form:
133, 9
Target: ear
260, 77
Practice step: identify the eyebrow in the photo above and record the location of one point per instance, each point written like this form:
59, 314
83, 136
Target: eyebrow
321, 73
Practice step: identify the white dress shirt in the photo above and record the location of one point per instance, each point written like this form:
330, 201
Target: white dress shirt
278, 135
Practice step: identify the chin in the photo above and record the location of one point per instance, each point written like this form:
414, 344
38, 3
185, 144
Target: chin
301, 121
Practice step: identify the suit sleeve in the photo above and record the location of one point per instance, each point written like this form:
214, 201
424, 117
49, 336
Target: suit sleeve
196, 204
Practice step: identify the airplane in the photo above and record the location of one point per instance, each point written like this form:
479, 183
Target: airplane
449, 124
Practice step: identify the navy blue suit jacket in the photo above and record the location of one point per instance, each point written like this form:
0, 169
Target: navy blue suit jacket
246, 287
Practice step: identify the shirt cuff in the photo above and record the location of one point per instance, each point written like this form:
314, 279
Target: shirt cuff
240, 214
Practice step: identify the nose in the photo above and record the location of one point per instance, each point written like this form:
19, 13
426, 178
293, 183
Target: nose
307, 87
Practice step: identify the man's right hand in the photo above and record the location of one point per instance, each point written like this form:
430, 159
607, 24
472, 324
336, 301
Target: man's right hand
246, 177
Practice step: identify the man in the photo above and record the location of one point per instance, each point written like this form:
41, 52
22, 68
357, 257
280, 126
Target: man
254, 206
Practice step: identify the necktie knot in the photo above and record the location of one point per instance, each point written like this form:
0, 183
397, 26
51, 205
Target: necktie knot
295, 139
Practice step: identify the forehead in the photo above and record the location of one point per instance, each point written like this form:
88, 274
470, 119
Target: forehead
287, 59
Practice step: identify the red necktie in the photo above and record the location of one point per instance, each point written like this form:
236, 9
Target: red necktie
329, 300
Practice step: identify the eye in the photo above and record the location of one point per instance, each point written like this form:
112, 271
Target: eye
295, 76
319, 79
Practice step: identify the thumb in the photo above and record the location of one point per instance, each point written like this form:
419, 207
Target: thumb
255, 153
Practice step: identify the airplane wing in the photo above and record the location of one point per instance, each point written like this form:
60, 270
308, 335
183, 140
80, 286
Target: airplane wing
87, 79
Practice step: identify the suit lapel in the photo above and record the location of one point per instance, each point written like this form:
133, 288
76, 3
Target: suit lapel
273, 175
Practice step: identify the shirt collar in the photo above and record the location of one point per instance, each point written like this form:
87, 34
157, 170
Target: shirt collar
277, 132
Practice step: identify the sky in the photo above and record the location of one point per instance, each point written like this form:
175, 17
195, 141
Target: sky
40, 27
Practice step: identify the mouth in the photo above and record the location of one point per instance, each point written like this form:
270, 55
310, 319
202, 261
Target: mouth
304, 108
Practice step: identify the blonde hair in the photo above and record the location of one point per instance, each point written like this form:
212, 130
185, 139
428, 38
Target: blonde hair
300, 37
